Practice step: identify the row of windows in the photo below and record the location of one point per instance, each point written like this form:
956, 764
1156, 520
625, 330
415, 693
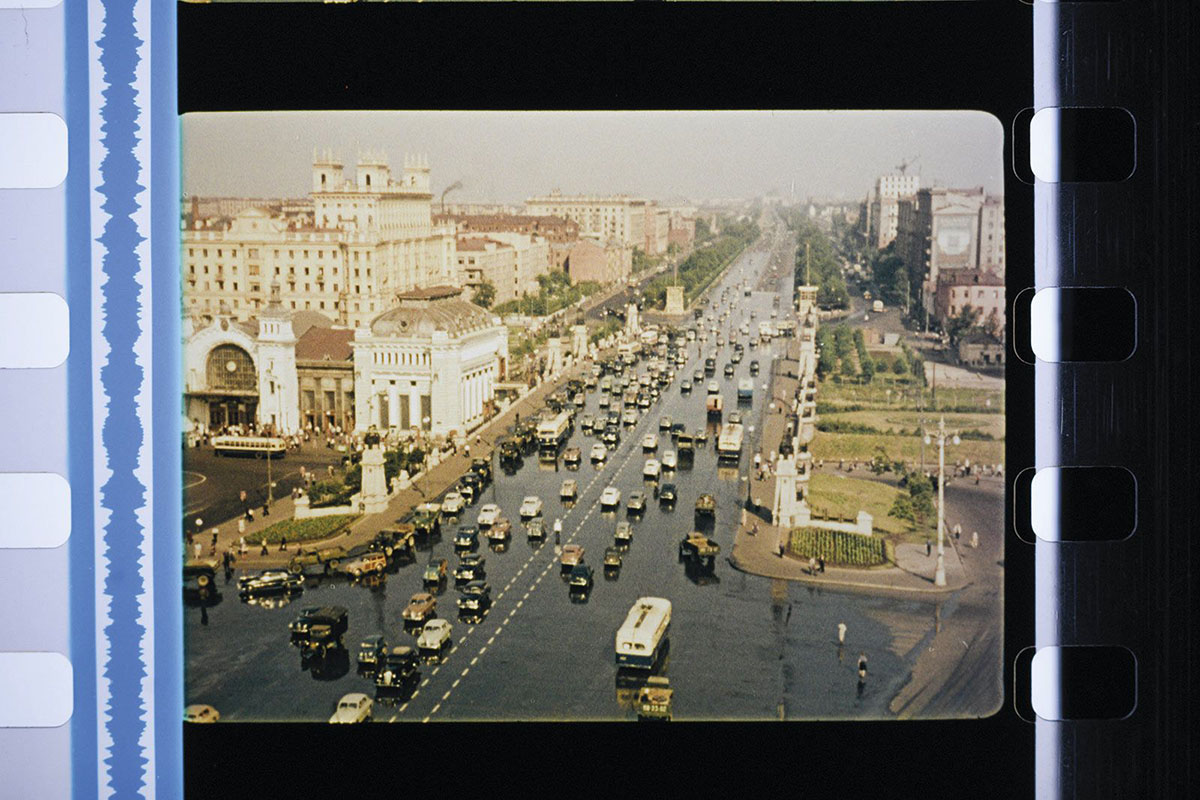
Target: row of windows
400, 358
253, 269
252, 252
208, 304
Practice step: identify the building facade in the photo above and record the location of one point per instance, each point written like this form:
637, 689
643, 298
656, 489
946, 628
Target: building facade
552, 229
980, 290
430, 363
482, 260
366, 240
601, 262
883, 213
614, 217
658, 230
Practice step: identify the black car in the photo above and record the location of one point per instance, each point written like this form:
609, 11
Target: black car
397, 668
610, 437
612, 418
319, 627
736, 358
580, 577
676, 429
667, 493
685, 386
470, 568
466, 537
483, 468
754, 367
587, 425
475, 596
728, 370
710, 366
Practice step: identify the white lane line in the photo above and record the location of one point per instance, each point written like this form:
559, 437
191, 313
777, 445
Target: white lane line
483, 650
465, 671
401, 711
522, 602
454, 685
435, 669
445, 696
526, 597
475, 660
425, 683
492, 639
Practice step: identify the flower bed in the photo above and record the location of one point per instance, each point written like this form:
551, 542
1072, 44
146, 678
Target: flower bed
304, 530
839, 548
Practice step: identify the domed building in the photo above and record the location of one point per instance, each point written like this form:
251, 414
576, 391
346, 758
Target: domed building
430, 363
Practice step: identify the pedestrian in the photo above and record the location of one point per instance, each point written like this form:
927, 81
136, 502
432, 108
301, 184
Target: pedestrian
821, 564
841, 633
928, 548
467, 450
188, 536
242, 495
788, 619
214, 536
283, 544
241, 524
862, 665
974, 538
329, 469
780, 551
957, 530
250, 515
242, 546
266, 510
264, 546
197, 548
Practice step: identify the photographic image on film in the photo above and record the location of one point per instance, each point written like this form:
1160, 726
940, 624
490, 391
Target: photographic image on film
592, 416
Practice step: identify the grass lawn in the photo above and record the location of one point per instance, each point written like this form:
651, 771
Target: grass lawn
875, 395
862, 447
845, 496
895, 418
304, 530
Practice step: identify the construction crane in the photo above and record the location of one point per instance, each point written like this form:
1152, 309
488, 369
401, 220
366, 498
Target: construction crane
906, 163
447, 190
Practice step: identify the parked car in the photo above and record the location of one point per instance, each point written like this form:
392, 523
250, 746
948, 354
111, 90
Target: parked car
474, 596
470, 567
488, 514
466, 537
571, 555
624, 533
610, 497
200, 712
421, 607
637, 502
580, 577
483, 468
353, 707
453, 503
569, 489
370, 562
435, 571
467, 489
434, 637
371, 650
599, 452
531, 507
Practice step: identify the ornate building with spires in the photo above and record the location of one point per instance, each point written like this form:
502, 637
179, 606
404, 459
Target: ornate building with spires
346, 254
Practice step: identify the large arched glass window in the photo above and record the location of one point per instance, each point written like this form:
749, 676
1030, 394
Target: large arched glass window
231, 368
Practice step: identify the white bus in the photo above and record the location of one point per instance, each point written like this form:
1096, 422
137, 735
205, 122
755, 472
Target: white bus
641, 637
257, 446
729, 442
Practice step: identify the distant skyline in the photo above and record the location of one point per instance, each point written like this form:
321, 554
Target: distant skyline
505, 157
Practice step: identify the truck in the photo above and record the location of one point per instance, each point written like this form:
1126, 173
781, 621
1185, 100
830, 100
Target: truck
766, 330
745, 390
729, 442
642, 636
714, 405
427, 519
552, 434
698, 547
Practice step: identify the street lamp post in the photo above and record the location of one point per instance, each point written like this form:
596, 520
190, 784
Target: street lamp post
939, 576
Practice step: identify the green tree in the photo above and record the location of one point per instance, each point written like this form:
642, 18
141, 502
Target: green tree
868, 369
962, 323
485, 294
847, 369
902, 508
900, 364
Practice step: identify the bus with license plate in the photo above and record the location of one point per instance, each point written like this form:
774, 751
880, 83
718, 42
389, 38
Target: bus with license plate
255, 446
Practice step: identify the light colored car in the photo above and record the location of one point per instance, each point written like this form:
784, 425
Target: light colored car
652, 469
669, 460
572, 554
570, 489
611, 497
624, 532
599, 452
488, 514
353, 707
200, 713
434, 636
368, 562
637, 502
650, 442
531, 507
421, 607
453, 503
629, 416
500, 530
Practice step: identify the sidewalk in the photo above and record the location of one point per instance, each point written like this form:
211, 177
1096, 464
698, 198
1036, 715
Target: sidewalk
758, 553
424, 487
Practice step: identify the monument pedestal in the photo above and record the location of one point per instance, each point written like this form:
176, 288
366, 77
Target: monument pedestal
674, 300
374, 485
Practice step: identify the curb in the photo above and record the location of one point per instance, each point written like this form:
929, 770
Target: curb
835, 583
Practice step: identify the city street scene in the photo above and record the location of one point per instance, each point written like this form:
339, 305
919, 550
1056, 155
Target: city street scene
593, 416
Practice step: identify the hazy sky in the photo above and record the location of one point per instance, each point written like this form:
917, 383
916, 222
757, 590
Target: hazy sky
508, 156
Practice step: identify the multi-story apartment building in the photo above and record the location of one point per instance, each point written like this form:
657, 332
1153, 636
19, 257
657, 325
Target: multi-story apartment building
942, 229
883, 207
366, 241
552, 229
658, 230
593, 260
616, 216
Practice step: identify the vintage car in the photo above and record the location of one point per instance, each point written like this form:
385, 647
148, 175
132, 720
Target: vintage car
321, 562
535, 528
453, 503
629, 416
466, 537
474, 596
500, 530
599, 452
706, 505
569, 489
470, 568
580, 577
636, 503
572, 554
664, 422
510, 453
488, 514
200, 712
654, 699
610, 497
587, 424
483, 468
650, 442
612, 558
200, 575
421, 607
531, 507
624, 532
699, 547
572, 457
370, 562
371, 650
319, 628
685, 386
435, 572
271, 581
667, 493
427, 519
698, 376
753, 364
468, 489
669, 459
394, 541
397, 669
611, 437
353, 707
434, 637
651, 469
728, 370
